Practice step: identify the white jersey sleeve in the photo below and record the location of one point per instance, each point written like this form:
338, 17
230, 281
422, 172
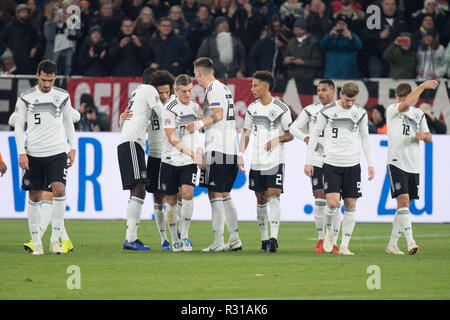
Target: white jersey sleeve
300, 126
20, 126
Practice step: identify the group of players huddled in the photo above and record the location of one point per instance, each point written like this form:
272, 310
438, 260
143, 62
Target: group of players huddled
162, 107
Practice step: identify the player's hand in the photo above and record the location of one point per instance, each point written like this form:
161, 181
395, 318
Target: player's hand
3, 168
127, 114
309, 170
193, 126
199, 159
420, 135
271, 144
318, 146
371, 173
430, 84
306, 140
71, 157
240, 164
23, 162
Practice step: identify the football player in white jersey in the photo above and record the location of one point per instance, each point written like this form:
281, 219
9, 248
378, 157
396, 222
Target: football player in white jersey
182, 153
269, 119
406, 127
344, 123
47, 201
130, 150
220, 153
299, 128
47, 111
163, 81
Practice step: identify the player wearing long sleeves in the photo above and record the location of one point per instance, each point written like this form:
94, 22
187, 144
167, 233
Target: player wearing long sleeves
299, 129
345, 123
406, 127
268, 119
47, 111
182, 153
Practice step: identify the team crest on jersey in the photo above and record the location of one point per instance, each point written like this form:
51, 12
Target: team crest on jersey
417, 116
26, 182
398, 186
354, 116
272, 114
56, 100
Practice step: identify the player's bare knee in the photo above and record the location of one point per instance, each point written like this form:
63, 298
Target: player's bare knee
349, 203
48, 196
158, 197
403, 201
319, 194
171, 200
35, 195
138, 191
58, 189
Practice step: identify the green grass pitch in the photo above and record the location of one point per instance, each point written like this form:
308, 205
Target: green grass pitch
293, 273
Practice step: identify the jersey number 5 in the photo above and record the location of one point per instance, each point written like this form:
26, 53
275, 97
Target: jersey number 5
37, 118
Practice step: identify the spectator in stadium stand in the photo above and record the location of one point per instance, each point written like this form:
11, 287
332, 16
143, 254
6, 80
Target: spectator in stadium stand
22, 38
318, 23
430, 56
267, 54
431, 8
159, 8
220, 8
127, 53
447, 59
179, 23
8, 66
7, 10
145, 24
355, 16
200, 28
107, 20
341, 47
169, 51
265, 8
377, 40
290, 11
36, 17
302, 56
435, 126
401, 57
92, 58
245, 24
444, 35
337, 5
226, 52
427, 23
190, 10
134, 9
93, 120
87, 13
378, 122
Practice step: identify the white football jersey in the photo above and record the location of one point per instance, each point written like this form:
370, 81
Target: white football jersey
49, 122
142, 102
267, 122
177, 115
306, 121
221, 136
403, 147
155, 132
343, 128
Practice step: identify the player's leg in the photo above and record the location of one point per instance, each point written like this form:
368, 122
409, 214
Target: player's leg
171, 203
231, 217
160, 218
46, 211
404, 217
58, 211
33, 213
319, 217
134, 212
273, 199
187, 209
218, 220
262, 217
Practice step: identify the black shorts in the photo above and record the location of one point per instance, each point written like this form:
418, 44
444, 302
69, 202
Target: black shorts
343, 180
173, 177
403, 182
153, 168
220, 173
132, 164
43, 171
261, 180
317, 179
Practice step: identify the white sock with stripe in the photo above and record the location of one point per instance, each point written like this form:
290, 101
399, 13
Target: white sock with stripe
187, 209
262, 216
218, 220
160, 220
231, 218
33, 212
172, 221
134, 210
275, 215
46, 216
396, 231
319, 216
336, 224
405, 223
348, 224
58, 211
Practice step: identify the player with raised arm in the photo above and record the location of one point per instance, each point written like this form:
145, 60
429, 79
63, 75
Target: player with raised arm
268, 119
406, 127
163, 81
344, 123
299, 128
47, 201
131, 155
182, 153
220, 154
47, 111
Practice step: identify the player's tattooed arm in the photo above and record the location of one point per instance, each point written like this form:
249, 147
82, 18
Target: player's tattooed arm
217, 115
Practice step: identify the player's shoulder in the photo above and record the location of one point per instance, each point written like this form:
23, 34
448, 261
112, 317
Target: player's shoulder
28, 92
329, 108
253, 105
61, 91
171, 105
417, 113
360, 109
283, 106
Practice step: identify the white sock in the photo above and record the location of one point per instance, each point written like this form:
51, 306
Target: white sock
178, 210
274, 218
329, 212
33, 212
46, 216
172, 221
231, 218
336, 224
134, 210
405, 224
187, 209
58, 211
262, 217
64, 235
218, 220
396, 231
319, 216
160, 221
348, 224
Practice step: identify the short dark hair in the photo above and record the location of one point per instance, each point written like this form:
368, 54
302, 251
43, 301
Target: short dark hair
47, 66
265, 76
329, 82
147, 75
183, 80
403, 89
204, 62
126, 19
162, 19
162, 78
